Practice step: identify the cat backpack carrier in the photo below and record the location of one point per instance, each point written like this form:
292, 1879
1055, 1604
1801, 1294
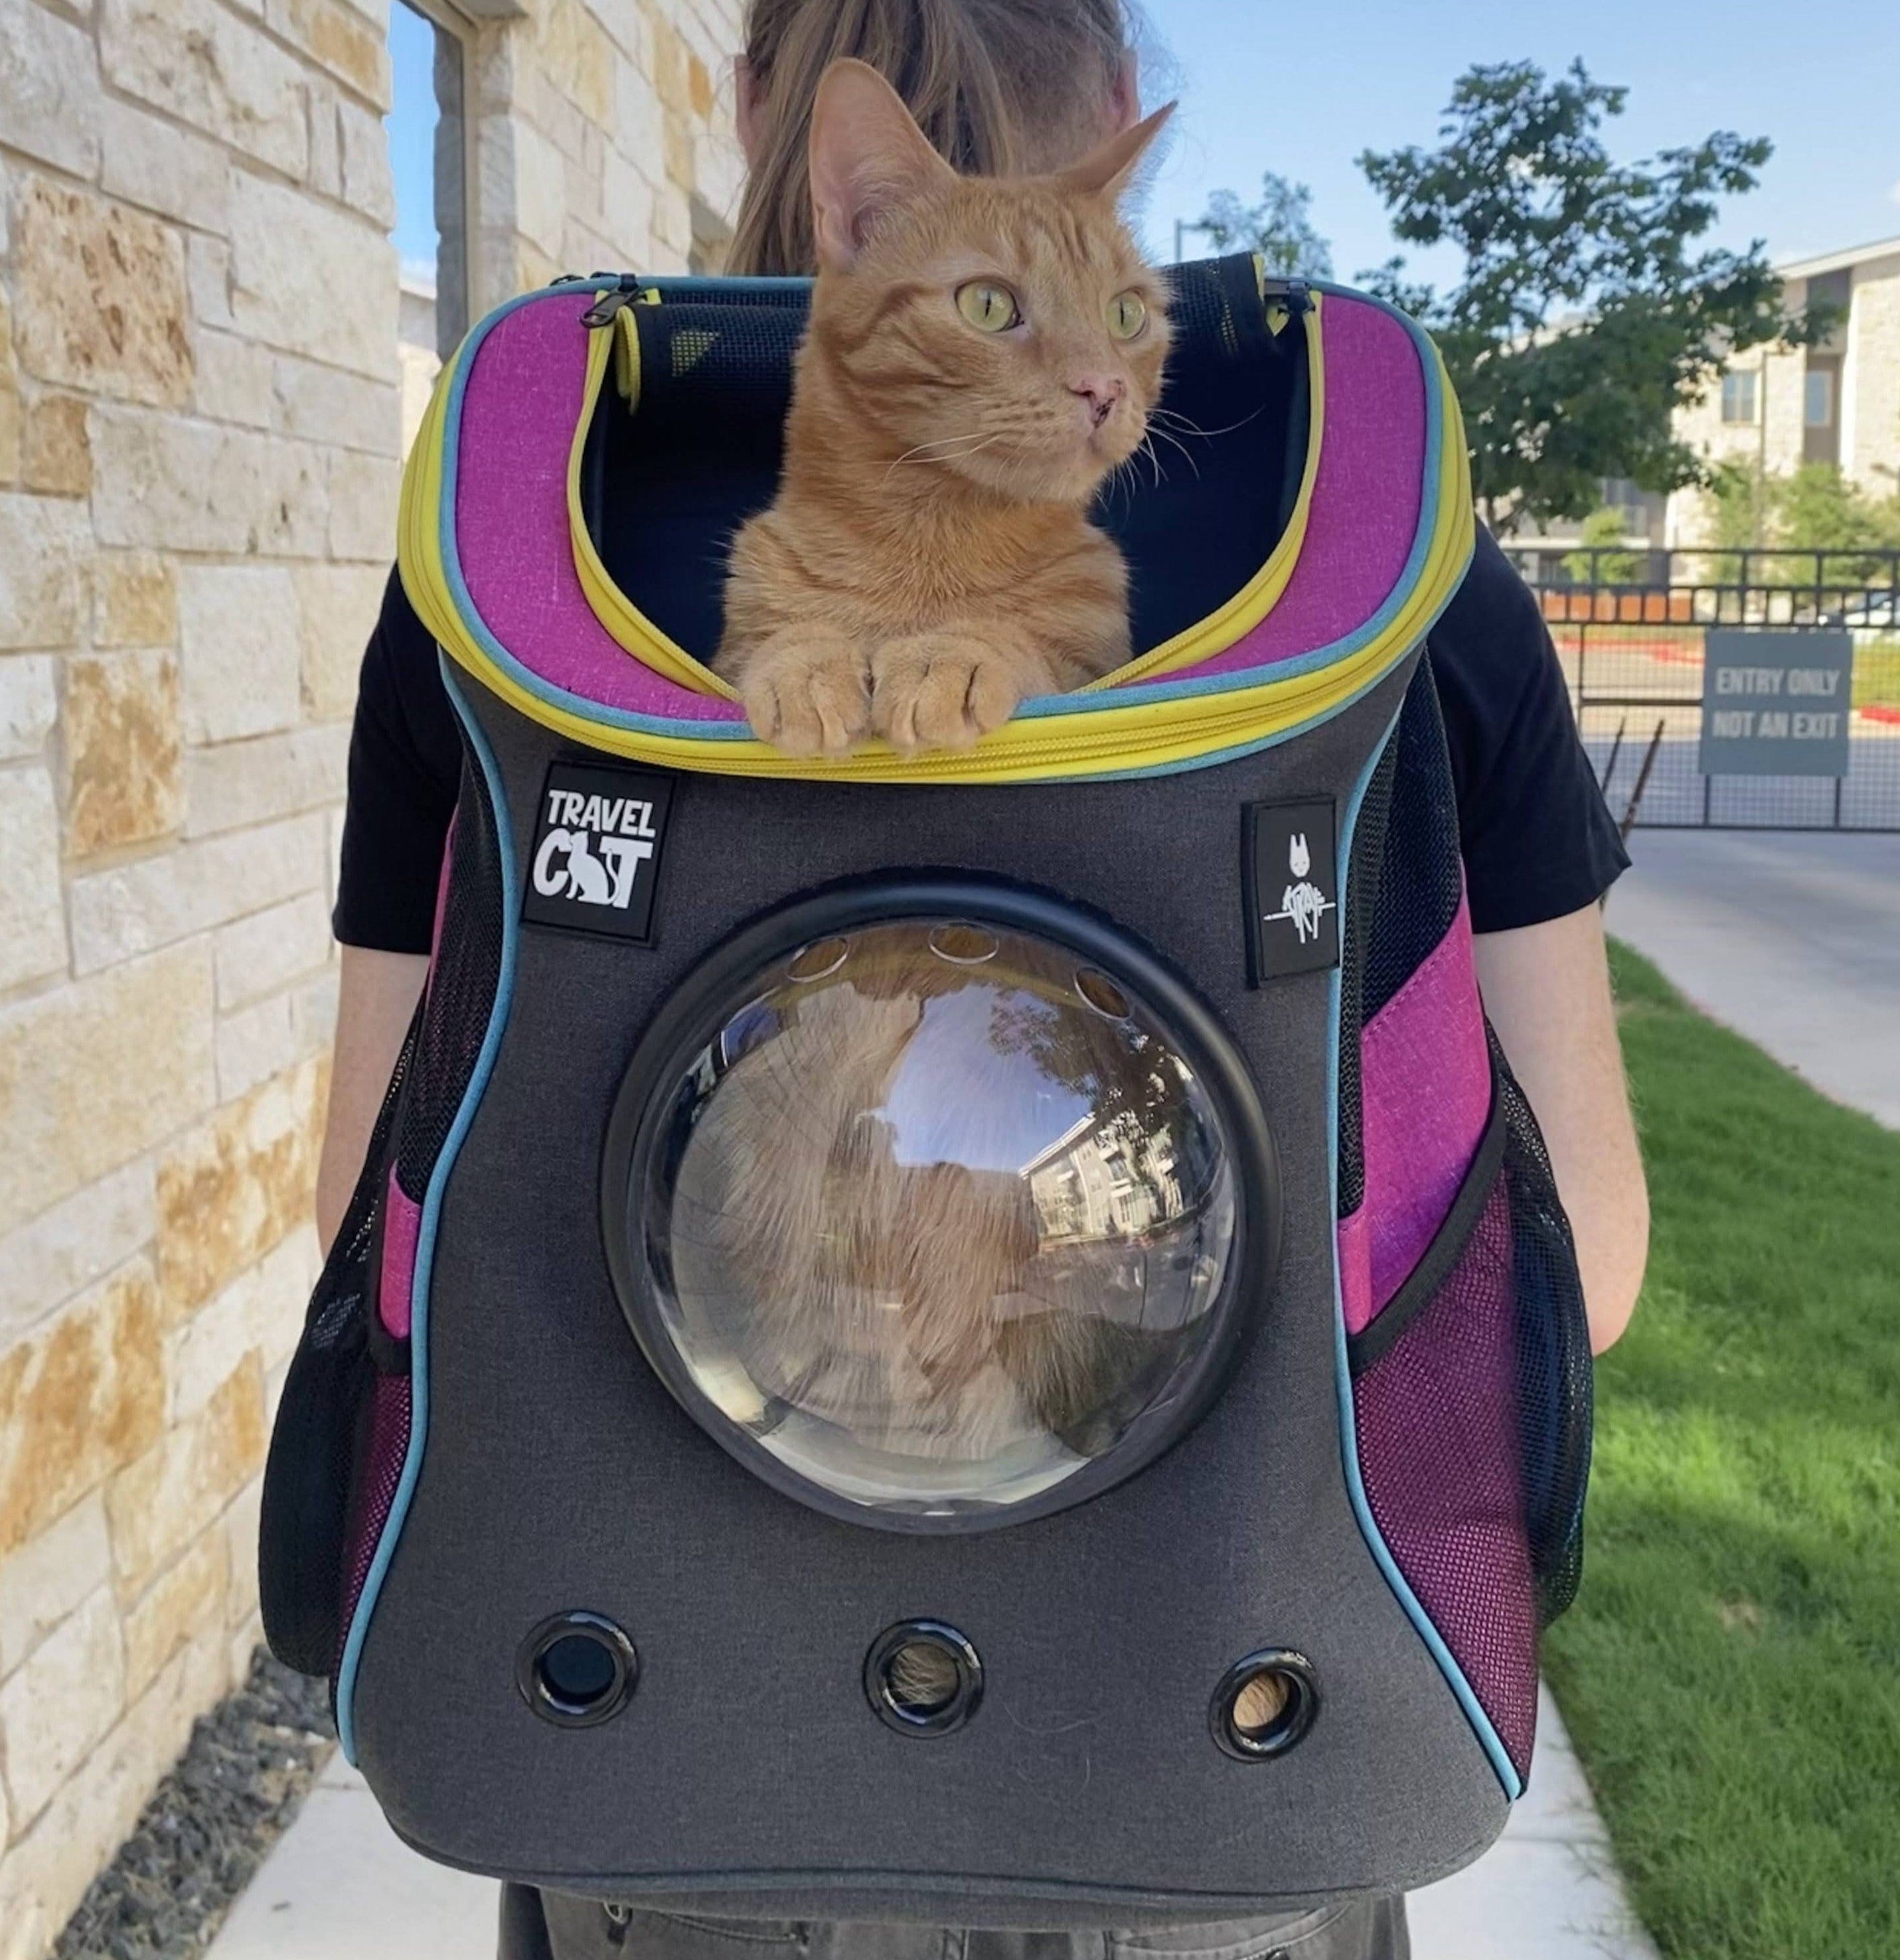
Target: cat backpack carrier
661, 1543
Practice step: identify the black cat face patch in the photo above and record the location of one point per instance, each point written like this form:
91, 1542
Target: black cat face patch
598, 837
1289, 875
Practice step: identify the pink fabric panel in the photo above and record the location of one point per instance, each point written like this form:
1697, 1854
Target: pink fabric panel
1425, 1091
1367, 497
389, 1442
518, 409
1443, 1465
1355, 1271
402, 1227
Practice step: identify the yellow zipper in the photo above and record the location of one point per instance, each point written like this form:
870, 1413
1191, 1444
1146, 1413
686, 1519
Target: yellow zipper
621, 620
1132, 736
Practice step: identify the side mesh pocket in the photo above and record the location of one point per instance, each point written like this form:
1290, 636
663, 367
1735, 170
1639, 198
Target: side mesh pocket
1471, 1404
329, 1392
464, 981
341, 1436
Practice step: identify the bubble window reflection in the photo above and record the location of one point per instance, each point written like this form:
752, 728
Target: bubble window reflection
938, 1215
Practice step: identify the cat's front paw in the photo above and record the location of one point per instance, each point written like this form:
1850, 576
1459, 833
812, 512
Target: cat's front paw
945, 690
806, 693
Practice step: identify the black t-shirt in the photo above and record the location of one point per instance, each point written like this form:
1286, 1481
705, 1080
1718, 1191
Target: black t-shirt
1538, 841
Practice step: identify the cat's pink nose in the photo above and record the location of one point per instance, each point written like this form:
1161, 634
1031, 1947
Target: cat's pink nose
1099, 393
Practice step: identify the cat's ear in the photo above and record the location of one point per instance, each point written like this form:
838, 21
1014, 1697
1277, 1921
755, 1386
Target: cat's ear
867, 156
1108, 168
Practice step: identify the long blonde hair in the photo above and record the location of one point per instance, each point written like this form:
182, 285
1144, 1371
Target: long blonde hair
1000, 87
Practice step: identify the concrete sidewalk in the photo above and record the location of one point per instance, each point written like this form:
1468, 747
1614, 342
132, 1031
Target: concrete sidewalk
1790, 937
340, 1885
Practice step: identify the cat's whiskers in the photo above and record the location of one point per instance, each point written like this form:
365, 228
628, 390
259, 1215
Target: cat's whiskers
1167, 436
1122, 476
916, 454
1192, 427
1145, 447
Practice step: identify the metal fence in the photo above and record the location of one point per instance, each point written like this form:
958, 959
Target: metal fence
1630, 627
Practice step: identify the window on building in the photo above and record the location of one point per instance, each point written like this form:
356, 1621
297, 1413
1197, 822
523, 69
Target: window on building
429, 160
1818, 401
1738, 397
1832, 294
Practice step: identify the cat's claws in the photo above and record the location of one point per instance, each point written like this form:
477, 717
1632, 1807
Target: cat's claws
808, 698
944, 693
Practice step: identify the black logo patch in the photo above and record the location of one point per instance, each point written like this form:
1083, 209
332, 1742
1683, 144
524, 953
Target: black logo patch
1290, 870
598, 835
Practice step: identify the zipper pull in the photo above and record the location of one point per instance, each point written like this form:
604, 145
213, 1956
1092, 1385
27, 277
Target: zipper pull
625, 288
1294, 294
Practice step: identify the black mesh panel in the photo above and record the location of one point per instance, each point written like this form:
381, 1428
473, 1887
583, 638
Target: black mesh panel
314, 1448
1421, 878
1402, 894
1555, 1383
1362, 909
462, 978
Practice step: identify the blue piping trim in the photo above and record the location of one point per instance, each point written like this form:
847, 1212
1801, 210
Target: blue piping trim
425, 1237
1132, 696
1487, 1736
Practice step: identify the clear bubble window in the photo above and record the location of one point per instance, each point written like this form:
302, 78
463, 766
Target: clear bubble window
938, 1214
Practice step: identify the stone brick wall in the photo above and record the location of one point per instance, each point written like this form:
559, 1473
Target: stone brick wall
597, 126
200, 430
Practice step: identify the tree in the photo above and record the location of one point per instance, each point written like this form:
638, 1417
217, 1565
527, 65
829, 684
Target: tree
1815, 509
1586, 314
1820, 509
1597, 565
1278, 228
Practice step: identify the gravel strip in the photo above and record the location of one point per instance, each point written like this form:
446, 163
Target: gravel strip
208, 1825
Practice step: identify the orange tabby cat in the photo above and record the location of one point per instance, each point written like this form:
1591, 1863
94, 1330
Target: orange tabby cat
983, 353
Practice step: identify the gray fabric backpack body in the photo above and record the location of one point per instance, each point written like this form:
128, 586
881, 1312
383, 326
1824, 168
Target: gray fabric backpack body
1216, 1590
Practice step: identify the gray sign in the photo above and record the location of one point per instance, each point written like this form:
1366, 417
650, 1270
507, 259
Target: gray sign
1776, 704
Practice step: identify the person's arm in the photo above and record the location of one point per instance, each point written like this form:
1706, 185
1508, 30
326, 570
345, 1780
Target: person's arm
1547, 990
377, 996
405, 762
1540, 848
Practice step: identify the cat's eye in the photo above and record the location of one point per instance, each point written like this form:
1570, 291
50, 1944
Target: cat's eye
1128, 314
989, 307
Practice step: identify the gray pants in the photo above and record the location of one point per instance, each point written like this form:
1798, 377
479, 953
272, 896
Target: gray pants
551, 1925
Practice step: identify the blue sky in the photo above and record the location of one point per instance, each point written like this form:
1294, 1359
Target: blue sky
1303, 91
412, 129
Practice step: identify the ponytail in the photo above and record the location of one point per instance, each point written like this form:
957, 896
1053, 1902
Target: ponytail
1001, 87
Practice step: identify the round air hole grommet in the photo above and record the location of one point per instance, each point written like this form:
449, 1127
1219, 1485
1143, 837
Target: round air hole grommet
1095, 989
818, 961
923, 1678
577, 1669
964, 944
1264, 1705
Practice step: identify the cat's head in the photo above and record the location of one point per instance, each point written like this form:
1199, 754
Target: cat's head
1004, 331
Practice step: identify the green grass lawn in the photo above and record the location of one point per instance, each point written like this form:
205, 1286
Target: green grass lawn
1876, 675
1731, 1670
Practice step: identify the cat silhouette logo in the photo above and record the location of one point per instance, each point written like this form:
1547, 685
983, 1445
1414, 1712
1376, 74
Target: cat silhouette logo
1290, 871
595, 865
